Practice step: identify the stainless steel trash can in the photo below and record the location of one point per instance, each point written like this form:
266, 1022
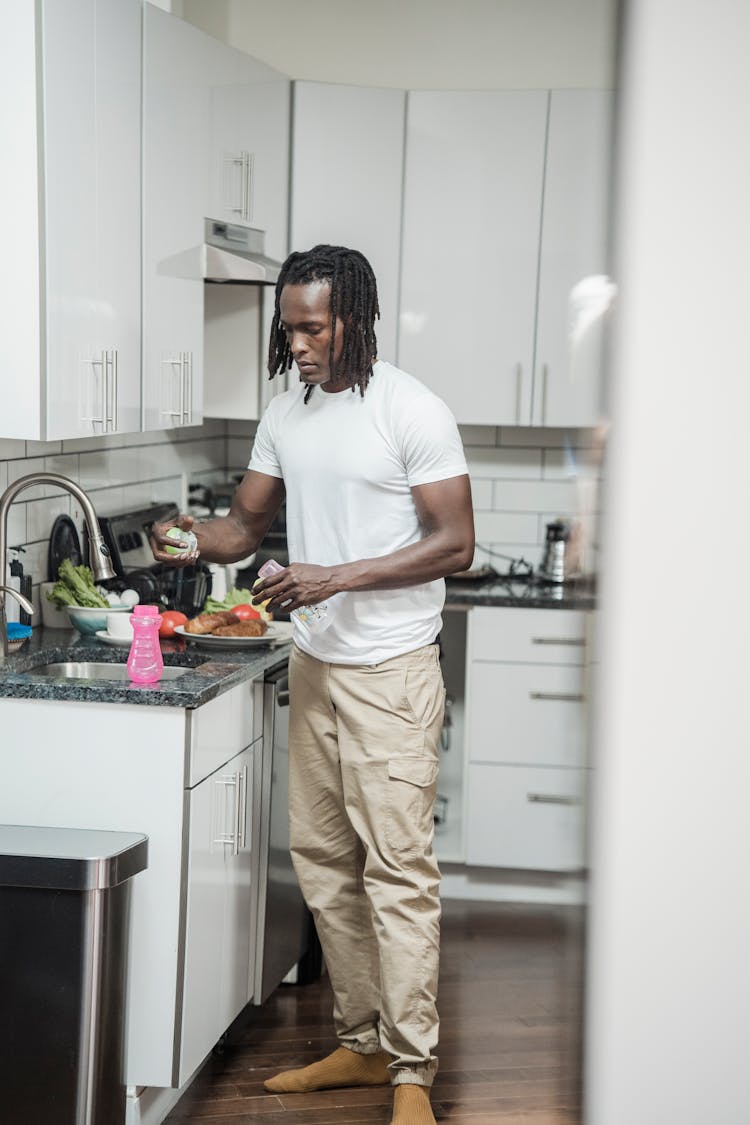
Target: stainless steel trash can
64, 896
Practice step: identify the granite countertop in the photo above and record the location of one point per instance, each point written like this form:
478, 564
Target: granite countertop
521, 592
211, 671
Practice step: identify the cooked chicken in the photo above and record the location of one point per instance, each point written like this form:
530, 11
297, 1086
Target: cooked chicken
251, 628
209, 622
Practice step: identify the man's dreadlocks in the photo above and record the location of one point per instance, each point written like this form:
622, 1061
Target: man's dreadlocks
354, 300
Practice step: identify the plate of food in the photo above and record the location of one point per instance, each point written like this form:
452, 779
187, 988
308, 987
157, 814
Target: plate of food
224, 630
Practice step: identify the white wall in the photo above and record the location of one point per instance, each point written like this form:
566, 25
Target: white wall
668, 979
421, 44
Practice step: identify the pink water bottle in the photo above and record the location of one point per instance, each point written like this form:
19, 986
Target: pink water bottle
145, 664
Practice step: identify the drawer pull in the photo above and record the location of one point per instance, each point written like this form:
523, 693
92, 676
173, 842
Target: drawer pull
557, 696
550, 799
578, 641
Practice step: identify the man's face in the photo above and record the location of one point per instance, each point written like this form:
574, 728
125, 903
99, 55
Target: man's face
306, 320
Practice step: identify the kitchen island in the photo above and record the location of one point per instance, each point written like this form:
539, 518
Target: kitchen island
186, 762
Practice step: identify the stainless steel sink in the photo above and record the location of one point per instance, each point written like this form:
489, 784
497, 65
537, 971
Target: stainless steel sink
90, 670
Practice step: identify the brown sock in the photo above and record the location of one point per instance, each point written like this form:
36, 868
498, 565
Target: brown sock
342, 1068
411, 1105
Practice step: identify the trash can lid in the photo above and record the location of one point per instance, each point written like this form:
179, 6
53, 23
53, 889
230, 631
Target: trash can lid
69, 859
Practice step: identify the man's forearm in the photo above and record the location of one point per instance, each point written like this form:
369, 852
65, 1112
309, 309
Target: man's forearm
431, 558
224, 539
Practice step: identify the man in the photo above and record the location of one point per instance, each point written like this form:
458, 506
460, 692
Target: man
378, 512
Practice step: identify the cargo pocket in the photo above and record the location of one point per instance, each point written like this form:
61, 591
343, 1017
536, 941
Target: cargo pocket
412, 783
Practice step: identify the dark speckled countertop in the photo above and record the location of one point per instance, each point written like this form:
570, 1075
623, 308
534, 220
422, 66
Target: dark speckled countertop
520, 592
211, 671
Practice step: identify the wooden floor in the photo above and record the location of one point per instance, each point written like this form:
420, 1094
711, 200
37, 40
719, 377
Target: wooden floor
509, 1002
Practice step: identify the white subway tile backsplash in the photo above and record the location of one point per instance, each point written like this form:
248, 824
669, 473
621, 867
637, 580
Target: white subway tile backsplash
537, 437
66, 464
43, 448
18, 469
238, 452
506, 527
17, 525
481, 495
11, 448
508, 464
534, 496
41, 514
478, 435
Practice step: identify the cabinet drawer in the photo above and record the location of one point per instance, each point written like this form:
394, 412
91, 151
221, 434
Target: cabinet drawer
544, 636
219, 730
525, 818
526, 714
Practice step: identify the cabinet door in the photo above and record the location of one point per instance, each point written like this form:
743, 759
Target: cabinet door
525, 817
118, 216
472, 205
573, 247
176, 130
528, 714
92, 111
347, 171
218, 913
239, 942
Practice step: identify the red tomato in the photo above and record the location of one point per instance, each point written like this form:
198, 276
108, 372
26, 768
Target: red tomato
169, 619
245, 612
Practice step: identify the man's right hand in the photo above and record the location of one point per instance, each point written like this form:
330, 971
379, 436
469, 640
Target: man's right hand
160, 541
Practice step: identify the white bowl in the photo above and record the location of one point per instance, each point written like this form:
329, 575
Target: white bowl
90, 620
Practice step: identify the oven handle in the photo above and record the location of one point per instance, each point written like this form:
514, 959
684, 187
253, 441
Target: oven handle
282, 691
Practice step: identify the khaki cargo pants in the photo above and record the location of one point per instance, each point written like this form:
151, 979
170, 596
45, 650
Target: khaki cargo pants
362, 782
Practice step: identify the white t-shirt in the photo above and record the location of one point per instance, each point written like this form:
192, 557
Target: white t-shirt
348, 463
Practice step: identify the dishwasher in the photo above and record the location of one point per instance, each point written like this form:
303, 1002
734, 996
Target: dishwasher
285, 935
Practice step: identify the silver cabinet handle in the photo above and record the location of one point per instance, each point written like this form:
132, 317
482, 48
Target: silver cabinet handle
550, 799
239, 202
558, 641
186, 383
110, 390
241, 835
556, 696
519, 381
100, 419
173, 363
545, 375
231, 780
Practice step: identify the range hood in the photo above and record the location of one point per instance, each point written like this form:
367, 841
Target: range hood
229, 253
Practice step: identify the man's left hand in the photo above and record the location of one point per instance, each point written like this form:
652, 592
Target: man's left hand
296, 585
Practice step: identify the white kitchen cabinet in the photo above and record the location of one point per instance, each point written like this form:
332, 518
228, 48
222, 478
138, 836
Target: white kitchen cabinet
472, 205
218, 932
183, 779
250, 123
347, 171
176, 195
573, 247
525, 740
505, 210
70, 87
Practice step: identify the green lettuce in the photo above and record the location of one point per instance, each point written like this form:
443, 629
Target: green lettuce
75, 586
234, 597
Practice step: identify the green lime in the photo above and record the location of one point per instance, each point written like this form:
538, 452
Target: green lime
183, 537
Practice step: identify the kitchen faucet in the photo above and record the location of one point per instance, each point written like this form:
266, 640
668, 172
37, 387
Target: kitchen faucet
99, 558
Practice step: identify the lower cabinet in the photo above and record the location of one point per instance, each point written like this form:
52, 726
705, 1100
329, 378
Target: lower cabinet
525, 739
184, 778
218, 930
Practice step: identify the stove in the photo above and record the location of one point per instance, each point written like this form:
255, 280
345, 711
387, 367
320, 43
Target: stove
127, 536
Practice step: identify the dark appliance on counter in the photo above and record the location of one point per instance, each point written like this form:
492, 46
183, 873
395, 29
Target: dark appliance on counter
127, 536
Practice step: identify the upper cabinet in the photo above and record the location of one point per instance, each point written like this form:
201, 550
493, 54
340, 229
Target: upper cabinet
472, 203
505, 209
573, 247
347, 172
249, 185
176, 194
70, 87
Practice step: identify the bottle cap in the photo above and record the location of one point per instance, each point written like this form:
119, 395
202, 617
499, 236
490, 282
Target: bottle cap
268, 568
145, 611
